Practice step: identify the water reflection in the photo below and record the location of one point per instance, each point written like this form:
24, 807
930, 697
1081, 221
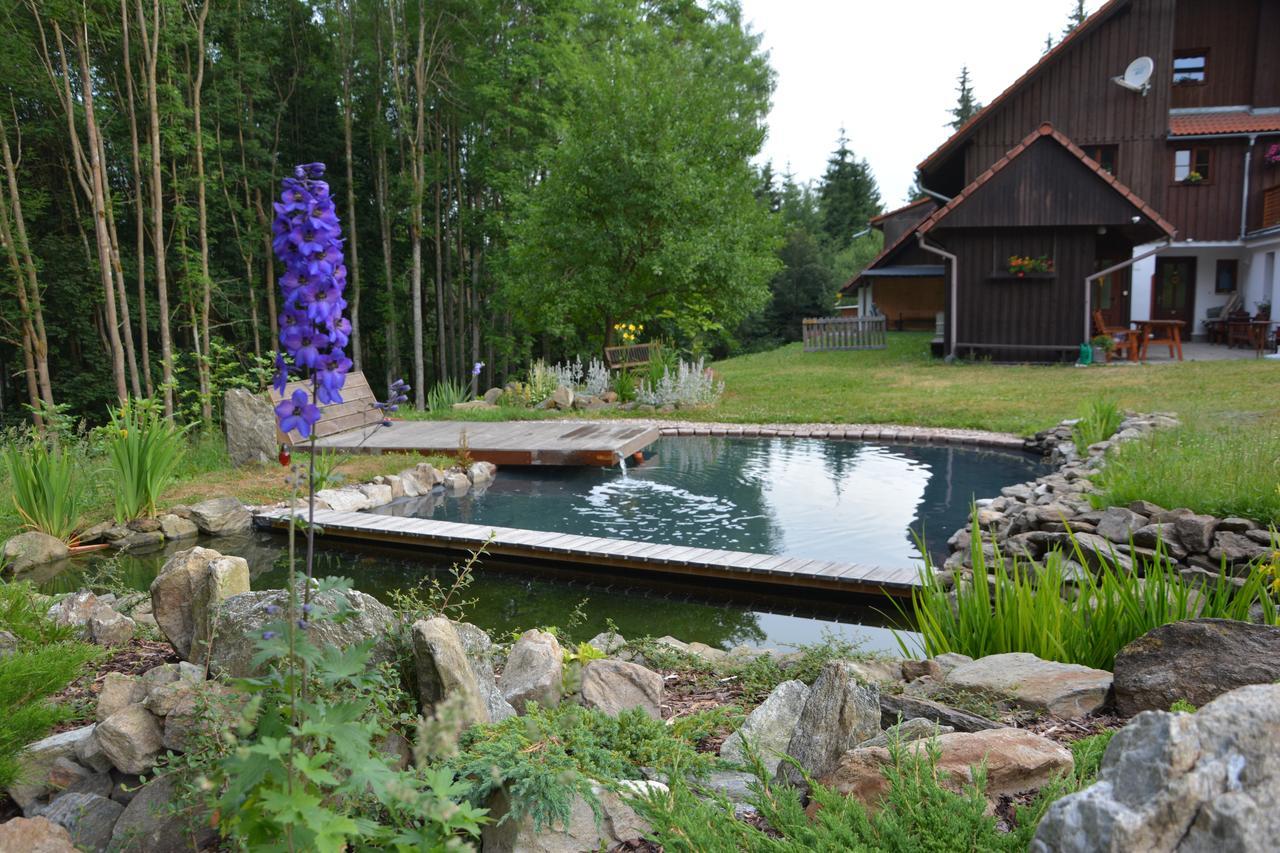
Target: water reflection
831, 500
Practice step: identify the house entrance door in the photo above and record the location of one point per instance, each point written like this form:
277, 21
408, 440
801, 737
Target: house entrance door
1111, 295
1173, 292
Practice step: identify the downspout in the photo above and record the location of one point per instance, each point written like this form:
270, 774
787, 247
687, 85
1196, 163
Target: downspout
939, 196
1089, 280
951, 320
1244, 193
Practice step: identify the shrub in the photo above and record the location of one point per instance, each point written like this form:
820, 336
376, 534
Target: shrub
1032, 607
543, 382
1099, 422
46, 487
1210, 469
444, 395
690, 384
145, 450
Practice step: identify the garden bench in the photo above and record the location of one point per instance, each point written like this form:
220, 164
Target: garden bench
631, 355
355, 412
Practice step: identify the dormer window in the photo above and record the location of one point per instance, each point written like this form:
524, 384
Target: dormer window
1189, 67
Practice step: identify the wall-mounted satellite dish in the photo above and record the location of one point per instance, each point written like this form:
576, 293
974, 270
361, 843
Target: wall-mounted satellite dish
1137, 77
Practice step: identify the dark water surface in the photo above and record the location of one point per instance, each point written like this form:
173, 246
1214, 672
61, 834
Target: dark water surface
822, 499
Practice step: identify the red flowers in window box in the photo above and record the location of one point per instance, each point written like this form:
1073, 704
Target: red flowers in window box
1021, 265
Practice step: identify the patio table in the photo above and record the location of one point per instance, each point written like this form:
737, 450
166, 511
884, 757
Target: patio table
1160, 332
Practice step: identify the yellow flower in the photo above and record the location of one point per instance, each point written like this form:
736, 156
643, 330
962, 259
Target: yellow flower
124, 433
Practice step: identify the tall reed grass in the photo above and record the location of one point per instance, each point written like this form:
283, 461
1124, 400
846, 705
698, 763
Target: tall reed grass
1099, 422
46, 487
145, 450
445, 394
1036, 608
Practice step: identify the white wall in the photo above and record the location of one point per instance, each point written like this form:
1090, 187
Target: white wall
1249, 280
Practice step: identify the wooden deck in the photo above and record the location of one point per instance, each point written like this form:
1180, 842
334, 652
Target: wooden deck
761, 570
603, 443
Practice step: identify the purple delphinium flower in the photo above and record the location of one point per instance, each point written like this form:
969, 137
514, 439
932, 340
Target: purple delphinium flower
476, 368
307, 238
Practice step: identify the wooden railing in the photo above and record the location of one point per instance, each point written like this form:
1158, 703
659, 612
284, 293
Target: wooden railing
836, 333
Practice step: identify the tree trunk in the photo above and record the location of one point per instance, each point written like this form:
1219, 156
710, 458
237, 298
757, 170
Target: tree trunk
353, 265
203, 354
140, 226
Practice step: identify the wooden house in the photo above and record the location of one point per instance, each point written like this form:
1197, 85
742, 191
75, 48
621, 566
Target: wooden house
1173, 183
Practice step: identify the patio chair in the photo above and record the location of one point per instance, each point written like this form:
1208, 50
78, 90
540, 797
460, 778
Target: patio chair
1127, 341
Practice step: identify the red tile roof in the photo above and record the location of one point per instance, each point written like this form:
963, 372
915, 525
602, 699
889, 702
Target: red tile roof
1212, 123
1062, 139
1105, 11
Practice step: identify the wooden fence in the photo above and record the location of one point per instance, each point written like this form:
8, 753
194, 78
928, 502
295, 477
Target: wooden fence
833, 333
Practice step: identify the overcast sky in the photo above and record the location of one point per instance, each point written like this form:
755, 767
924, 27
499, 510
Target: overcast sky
886, 71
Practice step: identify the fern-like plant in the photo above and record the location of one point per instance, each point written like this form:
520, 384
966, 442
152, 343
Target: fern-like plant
46, 488
444, 395
144, 449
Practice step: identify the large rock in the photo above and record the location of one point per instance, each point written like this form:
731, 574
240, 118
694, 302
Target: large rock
839, 714
444, 671
768, 729
37, 760
131, 738
190, 586
89, 818
177, 527
1119, 524
1197, 660
159, 818
1195, 532
1207, 781
479, 649
1065, 690
241, 620
197, 711
617, 822
34, 835
534, 671
1015, 760
221, 517
250, 425
917, 728
344, 499
110, 628
613, 686
31, 549
118, 692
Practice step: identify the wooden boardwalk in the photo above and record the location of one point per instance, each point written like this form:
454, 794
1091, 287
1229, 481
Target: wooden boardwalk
763, 570
604, 443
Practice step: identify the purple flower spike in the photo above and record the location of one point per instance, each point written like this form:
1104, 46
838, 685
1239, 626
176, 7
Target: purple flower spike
297, 413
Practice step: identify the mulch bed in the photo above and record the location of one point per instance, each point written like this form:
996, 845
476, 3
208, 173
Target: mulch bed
133, 658
1067, 732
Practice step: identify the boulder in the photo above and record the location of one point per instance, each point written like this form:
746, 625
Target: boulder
160, 818
77, 609
190, 586
492, 396
1065, 690
177, 527
534, 671
240, 621
1197, 660
561, 398
36, 762
8, 643
767, 730
948, 661
344, 499
444, 671
221, 517
613, 686
734, 785
429, 475
88, 818
456, 483
608, 642
66, 772
30, 549
1160, 536
897, 708
1119, 524
110, 628
131, 738
377, 493
118, 692
917, 728
1195, 532
481, 472
250, 425
585, 830
876, 670
410, 483
479, 651
1015, 760
1207, 781
34, 835
89, 754
913, 669
838, 714
1235, 548
196, 711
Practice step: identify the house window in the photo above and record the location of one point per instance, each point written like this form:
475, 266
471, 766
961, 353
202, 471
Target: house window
1191, 165
1105, 156
1224, 279
1189, 67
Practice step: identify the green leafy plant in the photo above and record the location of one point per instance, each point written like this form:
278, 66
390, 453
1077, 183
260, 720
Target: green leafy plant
326, 472
46, 487
1182, 706
624, 385
444, 395
1099, 422
1034, 607
144, 450
543, 382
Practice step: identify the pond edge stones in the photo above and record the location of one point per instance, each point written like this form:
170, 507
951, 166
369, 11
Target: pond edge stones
534, 671
838, 714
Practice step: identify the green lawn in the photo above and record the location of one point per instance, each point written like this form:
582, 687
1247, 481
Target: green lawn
904, 385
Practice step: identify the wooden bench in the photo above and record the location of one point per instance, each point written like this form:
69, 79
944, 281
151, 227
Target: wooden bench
356, 410
631, 355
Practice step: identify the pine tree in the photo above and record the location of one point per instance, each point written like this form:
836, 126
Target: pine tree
1075, 18
967, 106
848, 195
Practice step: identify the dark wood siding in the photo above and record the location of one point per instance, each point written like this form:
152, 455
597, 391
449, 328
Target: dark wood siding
1226, 29
1266, 79
1076, 95
1211, 210
996, 314
1045, 185
899, 224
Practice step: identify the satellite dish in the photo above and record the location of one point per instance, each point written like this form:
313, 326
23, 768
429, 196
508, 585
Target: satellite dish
1137, 77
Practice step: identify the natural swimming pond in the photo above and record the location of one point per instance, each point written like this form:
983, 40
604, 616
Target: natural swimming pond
832, 500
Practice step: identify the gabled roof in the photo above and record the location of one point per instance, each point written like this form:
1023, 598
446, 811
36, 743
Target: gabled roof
1086, 26
882, 217
886, 253
1212, 123
1046, 130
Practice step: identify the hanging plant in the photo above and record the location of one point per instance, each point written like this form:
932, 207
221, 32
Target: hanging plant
1272, 155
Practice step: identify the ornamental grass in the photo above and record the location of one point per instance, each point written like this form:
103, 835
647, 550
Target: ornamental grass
46, 490
1070, 616
144, 449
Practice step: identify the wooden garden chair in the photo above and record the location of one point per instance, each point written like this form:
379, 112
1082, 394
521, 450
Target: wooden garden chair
1127, 341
